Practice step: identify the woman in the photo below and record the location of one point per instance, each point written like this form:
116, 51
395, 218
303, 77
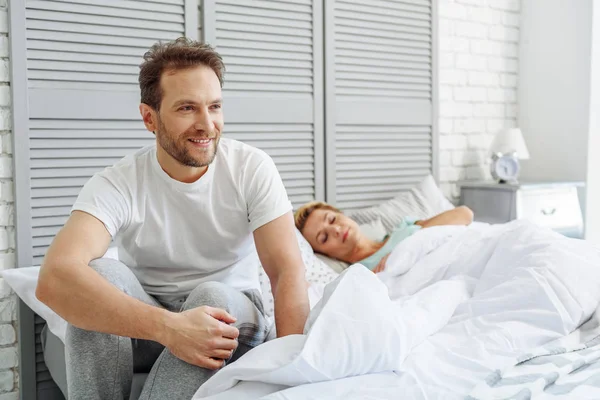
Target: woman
332, 233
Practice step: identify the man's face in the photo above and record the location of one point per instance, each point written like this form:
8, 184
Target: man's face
190, 119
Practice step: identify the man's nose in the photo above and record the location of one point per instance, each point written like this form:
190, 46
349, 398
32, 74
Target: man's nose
203, 122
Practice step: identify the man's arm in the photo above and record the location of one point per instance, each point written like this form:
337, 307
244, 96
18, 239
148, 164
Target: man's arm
86, 300
80, 295
461, 215
279, 254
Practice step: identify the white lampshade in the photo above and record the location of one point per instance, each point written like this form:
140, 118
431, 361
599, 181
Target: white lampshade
510, 141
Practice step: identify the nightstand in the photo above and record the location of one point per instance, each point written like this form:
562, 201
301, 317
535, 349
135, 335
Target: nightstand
554, 205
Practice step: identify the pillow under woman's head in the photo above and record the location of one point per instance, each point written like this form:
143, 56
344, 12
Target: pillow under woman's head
422, 201
425, 200
316, 271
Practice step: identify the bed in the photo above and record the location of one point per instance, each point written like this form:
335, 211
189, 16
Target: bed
484, 312
566, 367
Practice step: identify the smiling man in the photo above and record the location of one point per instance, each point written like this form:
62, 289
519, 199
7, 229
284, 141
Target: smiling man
191, 216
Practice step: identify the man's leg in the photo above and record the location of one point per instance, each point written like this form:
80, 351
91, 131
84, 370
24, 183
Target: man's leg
174, 379
100, 366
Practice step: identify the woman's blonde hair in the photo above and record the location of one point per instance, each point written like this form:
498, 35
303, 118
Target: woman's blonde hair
301, 215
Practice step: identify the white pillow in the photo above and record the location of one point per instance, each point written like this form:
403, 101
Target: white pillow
316, 271
423, 201
24, 282
374, 230
336, 265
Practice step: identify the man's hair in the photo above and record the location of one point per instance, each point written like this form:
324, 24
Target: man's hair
301, 215
179, 54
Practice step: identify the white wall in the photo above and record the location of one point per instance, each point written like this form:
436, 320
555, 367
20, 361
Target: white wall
554, 89
593, 160
478, 45
8, 304
555, 66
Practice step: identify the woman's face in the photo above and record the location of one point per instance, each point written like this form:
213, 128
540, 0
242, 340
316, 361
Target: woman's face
331, 233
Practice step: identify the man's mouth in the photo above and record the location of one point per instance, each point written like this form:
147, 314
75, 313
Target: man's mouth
201, 142
345, 235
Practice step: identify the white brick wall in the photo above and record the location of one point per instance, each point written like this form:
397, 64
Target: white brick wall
478, 45
8, 303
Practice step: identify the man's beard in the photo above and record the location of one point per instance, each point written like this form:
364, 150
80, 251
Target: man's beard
179, 150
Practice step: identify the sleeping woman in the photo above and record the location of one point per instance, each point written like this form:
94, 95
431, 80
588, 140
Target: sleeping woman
333, 234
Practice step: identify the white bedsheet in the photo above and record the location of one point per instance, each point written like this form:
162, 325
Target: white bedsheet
462, 302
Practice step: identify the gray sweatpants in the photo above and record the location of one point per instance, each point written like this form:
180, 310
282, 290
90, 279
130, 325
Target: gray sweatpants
101, 366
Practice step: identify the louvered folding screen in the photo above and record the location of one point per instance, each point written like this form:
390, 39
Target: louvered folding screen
338, 92
273, 91
76, 112
82, 69
379, 104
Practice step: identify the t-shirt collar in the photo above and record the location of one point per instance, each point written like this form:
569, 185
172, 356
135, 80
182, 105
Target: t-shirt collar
199, 184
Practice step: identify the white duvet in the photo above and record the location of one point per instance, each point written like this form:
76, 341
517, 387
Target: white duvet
454, 304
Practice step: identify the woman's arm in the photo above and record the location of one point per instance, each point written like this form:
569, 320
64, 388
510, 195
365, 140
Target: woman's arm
461, 215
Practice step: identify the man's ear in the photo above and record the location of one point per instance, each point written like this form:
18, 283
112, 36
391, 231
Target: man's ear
149, 116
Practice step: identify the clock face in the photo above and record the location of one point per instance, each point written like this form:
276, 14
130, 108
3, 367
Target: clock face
505, 168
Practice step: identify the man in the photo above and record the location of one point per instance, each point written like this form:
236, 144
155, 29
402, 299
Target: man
189, 215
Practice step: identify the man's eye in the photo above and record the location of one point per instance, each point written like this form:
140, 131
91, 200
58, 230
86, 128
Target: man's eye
332, 220
216, 106
186, 108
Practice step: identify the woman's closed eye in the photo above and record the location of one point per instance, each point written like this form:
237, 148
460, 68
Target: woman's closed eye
324, 238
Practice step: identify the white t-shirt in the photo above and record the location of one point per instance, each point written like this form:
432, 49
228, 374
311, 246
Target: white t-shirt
176, 235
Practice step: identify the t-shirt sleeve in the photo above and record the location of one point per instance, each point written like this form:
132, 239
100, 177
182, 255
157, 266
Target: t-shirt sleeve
266, 197
102, 199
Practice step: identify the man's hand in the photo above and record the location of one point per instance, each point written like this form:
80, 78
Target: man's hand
201, 336
381, 265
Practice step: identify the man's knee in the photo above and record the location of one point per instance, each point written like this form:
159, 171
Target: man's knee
251, 323
212, 294
116, 273
75, 334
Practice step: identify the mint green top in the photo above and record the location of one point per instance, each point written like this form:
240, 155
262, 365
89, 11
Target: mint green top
406, 228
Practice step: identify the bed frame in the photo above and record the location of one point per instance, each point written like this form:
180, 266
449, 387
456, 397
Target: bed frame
36, 381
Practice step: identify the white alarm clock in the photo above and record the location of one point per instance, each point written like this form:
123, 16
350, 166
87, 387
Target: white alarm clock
505, 167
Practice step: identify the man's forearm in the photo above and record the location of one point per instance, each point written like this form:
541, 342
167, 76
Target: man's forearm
86, 300
291, 303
